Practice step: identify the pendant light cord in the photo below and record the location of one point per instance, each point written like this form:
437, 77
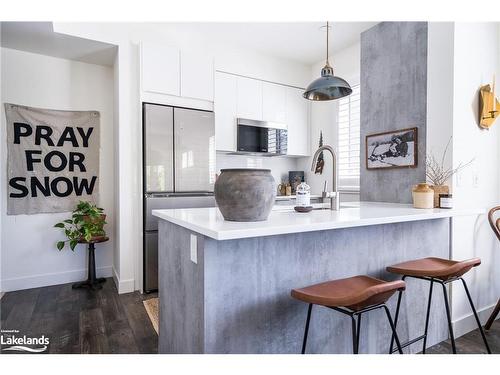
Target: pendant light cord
327, 33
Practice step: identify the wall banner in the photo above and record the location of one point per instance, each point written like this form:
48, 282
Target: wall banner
53, 159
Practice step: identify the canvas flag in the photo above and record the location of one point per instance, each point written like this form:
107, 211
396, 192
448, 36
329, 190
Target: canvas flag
53, 159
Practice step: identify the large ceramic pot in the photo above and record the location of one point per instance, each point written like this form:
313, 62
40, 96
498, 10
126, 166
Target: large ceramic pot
245, 194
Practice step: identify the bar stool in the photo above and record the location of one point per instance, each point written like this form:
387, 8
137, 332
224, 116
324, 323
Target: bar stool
443, 272
353, 296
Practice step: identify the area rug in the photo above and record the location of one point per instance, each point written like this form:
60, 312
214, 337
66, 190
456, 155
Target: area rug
151, 306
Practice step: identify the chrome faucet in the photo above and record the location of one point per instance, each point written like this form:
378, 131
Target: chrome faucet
333, 195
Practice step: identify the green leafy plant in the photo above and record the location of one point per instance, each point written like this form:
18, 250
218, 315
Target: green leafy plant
87, 222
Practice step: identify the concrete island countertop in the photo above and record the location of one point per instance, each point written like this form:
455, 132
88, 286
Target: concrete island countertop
209, 221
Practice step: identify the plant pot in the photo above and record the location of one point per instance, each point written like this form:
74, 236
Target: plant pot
245, 194
88, 218
439, 189
92, 239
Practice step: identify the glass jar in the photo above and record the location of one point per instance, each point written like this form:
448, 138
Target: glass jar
445, 201
303, 195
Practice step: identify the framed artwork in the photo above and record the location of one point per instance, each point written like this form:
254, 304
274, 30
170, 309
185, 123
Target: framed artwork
393, 149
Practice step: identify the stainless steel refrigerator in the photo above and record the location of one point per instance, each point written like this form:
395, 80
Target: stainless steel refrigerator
178, 170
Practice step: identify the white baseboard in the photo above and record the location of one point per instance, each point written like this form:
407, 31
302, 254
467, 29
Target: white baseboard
36, 281
123, 286
468, 323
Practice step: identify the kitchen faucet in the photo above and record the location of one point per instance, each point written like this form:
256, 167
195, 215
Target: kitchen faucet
333, 195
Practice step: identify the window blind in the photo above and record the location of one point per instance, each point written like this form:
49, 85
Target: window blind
349, 139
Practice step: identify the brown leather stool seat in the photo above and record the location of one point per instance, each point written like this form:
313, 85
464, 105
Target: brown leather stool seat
355, 293
352, 296
441, 272
439, 268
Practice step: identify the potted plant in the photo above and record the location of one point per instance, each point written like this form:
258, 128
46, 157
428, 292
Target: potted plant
86, 224
438, 174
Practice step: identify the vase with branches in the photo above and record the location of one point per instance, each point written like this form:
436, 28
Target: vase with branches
438, 174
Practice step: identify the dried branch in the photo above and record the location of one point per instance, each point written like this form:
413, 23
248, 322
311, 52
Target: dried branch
437, 173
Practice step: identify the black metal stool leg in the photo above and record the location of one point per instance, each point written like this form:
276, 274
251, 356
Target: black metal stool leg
393, 328
476, 316
448, 316
427, 316
396, 316
358, 330
306, 331
354, 335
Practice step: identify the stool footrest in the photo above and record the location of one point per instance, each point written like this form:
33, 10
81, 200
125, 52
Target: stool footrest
408, 343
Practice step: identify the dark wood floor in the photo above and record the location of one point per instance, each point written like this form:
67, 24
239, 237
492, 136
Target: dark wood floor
472, 342
81, 321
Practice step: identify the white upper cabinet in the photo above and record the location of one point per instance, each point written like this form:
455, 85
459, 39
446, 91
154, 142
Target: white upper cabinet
160, 68
297, 120
237, 96
225, 107
167, 70
249, 98
273, 102
197, 76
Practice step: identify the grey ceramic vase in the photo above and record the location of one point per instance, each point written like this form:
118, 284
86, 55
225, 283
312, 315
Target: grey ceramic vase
245, 194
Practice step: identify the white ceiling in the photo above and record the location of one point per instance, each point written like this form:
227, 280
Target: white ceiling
303, 42
39, 37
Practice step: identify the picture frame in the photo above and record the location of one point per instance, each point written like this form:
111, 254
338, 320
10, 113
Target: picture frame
392, 149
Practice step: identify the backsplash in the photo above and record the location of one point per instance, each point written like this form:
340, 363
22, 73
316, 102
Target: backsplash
278, 165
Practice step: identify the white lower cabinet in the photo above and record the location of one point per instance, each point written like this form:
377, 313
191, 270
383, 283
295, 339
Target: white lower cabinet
297, 120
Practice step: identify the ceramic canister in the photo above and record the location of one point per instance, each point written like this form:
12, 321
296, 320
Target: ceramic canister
423, 196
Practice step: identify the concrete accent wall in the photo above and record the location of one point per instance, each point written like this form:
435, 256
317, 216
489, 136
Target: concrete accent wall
393, 96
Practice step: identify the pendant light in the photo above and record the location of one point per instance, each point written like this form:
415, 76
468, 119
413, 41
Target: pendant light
327, 87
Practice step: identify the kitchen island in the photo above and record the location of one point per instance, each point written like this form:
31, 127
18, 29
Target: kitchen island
224, 287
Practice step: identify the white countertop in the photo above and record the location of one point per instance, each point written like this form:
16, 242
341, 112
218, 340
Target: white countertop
209, 221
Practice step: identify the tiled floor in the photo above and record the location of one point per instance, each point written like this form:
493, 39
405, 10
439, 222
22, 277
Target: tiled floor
80, 321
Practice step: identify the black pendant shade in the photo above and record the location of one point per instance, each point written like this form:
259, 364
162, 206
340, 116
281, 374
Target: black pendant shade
327, 87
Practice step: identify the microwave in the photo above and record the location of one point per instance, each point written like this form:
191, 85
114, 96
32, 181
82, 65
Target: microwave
261, 137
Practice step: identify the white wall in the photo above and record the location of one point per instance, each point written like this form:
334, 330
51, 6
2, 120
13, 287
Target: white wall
440, 77
476, 59
280, 166
29, 256
346, 64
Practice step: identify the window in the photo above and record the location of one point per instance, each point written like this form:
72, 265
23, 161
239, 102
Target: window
349, 140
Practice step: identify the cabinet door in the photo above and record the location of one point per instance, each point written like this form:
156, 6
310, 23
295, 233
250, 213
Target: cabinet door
273, 102
197, 76
160, 69
249, 98
225, 104
297, 120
